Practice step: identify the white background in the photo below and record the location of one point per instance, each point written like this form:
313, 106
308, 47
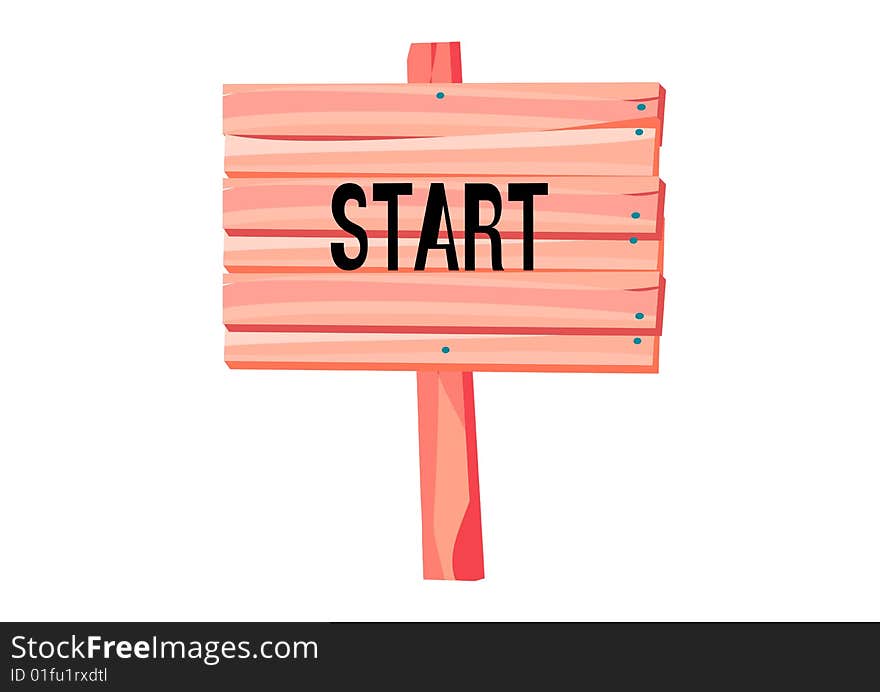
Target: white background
142, 479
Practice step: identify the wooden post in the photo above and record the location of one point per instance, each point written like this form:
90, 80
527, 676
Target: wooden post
452, 534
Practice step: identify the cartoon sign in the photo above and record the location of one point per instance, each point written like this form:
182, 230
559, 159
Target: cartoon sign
444, 228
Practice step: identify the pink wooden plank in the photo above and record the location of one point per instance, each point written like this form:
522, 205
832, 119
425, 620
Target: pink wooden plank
466, 352
330, 111
282, 254
607, 152
576, 206
591, 302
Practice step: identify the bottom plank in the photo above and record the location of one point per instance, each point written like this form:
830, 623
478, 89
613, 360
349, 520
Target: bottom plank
468, 352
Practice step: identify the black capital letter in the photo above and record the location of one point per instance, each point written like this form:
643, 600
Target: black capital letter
389, 192
343, 193
474, 193
525, 193
435, 208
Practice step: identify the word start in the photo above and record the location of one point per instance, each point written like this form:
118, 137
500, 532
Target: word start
436, 213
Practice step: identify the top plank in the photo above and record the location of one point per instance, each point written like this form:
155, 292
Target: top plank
380, 111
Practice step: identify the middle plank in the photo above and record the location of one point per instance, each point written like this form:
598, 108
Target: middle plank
581, 223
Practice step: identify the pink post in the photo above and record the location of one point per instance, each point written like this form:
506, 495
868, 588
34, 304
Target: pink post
452, 534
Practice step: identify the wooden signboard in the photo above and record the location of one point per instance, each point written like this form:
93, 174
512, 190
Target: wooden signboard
444, 228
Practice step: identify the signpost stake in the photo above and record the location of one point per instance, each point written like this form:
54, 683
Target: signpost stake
452, 534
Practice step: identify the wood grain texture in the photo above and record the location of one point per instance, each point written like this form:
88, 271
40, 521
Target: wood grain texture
607, 152
593, 302
575, 207
286, 254
345, 111
452, 537
468, 352
434, 62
